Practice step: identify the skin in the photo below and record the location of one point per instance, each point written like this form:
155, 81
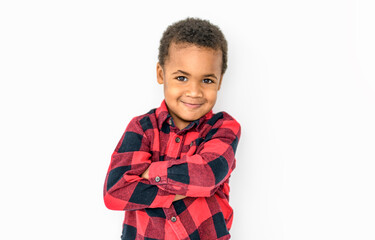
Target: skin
191, 77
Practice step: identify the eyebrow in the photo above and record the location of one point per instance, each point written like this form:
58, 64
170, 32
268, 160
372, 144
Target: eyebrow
188, 74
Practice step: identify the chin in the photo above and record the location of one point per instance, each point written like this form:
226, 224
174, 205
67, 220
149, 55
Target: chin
191, 119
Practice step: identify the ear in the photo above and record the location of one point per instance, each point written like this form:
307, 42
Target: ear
221, 80
159, 73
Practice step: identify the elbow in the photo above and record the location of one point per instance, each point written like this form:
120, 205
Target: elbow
113, 203
116, 204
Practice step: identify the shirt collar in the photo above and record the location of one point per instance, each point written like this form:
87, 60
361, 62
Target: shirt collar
162, 115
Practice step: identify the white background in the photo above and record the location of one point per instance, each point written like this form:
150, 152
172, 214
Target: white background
300, 81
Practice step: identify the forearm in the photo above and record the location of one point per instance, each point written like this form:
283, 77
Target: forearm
132, 192
198, 181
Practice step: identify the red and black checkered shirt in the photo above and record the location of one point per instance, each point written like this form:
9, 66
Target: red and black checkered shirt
195, 162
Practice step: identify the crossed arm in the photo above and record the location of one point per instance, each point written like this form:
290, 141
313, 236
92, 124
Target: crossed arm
134, 182
177, 196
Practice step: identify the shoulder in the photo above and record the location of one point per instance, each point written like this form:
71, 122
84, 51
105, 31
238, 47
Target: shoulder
143, 122
221, 125
224, 120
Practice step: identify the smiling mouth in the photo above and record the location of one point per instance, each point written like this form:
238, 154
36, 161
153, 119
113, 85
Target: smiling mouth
192, 105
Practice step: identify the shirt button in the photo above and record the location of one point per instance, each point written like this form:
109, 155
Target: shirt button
178, 139
170, 121
173, 219
191, 144
157, 179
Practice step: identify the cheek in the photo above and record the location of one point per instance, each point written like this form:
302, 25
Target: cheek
211, 95
171, 91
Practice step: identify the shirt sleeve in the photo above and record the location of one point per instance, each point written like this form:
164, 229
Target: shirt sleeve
202, 173
124, 189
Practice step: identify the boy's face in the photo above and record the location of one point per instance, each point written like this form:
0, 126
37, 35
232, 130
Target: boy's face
191, 76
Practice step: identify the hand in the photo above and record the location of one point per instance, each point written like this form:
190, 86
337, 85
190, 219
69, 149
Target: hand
178, 197
145, 174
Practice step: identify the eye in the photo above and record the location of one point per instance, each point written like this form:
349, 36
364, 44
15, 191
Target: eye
181, 78
207, 80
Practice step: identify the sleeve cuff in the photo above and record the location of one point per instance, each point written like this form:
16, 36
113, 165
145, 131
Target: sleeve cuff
157, 174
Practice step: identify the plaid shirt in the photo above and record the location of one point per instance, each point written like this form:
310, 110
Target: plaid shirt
195, 162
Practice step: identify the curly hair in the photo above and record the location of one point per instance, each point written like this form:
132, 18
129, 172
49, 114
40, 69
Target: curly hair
195, 31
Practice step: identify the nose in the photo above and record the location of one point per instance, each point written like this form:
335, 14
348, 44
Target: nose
194, 90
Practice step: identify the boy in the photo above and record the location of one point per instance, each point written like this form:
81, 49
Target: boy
170, 170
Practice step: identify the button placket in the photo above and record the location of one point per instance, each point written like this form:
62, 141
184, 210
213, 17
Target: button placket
175, 222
